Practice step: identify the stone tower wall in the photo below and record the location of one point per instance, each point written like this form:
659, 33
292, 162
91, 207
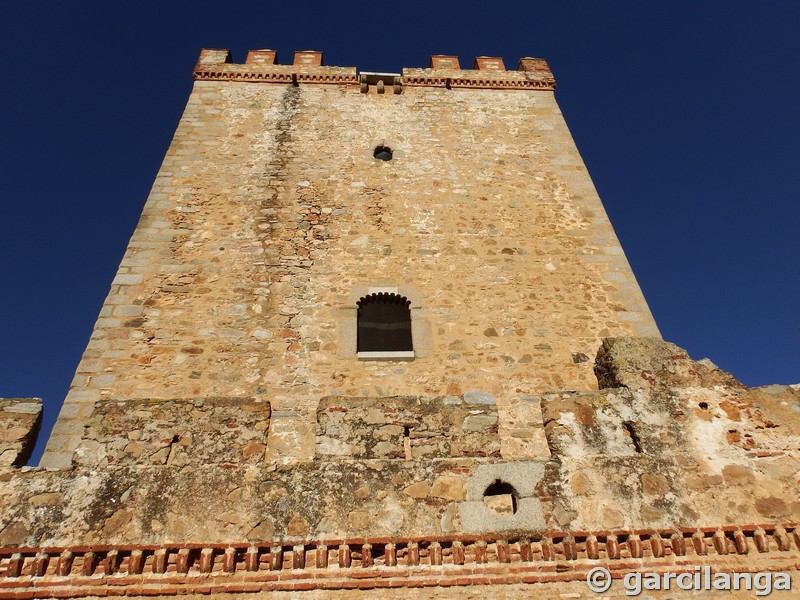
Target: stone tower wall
222, 437
270, 218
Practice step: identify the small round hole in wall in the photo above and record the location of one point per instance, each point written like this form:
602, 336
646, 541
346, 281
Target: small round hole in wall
382, 153
501, 498
703, 405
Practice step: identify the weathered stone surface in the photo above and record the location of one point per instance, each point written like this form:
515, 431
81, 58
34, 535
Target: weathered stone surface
230, 503
418, 490
20, 419
449, 488
640, 363
180, 432
676, 443
406, 428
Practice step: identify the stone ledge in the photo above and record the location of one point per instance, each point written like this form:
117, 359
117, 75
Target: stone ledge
399, 355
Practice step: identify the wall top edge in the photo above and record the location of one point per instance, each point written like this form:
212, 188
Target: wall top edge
308, 67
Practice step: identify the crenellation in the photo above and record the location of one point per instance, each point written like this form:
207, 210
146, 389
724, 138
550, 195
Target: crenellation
442, 61
261, 66
210, 56
489, 63
267, 57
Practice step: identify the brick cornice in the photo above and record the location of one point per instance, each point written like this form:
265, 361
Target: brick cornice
265, 76
261, 67
450, 82
387, 562
500, 83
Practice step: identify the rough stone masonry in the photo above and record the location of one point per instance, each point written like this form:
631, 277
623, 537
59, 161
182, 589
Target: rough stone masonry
224, 435
270, 217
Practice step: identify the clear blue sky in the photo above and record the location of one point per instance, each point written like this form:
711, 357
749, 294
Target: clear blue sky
686, 114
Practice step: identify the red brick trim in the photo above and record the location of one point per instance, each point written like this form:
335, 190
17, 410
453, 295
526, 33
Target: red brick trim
283, 77
486, 83
261, 66
413, 81
382, 562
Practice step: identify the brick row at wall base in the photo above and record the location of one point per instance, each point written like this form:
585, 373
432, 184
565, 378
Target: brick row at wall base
388, 563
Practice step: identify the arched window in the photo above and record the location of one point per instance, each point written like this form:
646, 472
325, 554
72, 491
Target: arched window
384, 323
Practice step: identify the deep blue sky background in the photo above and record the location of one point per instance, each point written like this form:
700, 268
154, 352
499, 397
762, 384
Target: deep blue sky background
686, 114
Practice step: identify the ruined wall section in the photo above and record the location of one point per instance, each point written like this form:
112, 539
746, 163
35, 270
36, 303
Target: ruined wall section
676, 443
20, 420
270, 216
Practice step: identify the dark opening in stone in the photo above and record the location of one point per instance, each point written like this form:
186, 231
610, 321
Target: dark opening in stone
383, 153
501, 498
633, 442
384, 323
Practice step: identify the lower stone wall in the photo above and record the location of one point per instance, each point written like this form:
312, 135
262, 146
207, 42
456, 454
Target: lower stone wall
408, 428
177, 432
258, 503
702, 450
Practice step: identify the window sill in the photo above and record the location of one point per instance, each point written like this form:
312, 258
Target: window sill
396, 355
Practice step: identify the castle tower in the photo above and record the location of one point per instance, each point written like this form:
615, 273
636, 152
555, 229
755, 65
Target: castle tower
375, 331
271, 218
